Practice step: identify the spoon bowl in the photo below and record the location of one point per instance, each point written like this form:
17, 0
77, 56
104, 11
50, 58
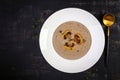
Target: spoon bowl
108, 20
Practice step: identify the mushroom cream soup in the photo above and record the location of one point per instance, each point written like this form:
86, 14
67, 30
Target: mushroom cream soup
71, 40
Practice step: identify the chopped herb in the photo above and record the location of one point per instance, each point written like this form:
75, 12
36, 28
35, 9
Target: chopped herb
71, 39
84, 40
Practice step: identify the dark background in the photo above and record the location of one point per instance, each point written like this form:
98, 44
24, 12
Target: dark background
20, 25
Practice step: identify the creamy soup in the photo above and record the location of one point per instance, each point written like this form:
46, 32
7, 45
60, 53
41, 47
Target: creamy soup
71, 40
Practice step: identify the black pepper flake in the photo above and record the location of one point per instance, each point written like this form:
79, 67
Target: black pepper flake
77, 50
60, 31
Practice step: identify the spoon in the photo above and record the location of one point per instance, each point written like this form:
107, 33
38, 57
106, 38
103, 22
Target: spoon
108, 20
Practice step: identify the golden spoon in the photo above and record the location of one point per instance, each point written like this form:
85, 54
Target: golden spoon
108, 20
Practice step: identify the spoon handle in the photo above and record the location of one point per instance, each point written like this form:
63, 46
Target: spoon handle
107, 58
108, 31
107, 55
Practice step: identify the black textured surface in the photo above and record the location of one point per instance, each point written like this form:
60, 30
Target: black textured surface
20, 24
